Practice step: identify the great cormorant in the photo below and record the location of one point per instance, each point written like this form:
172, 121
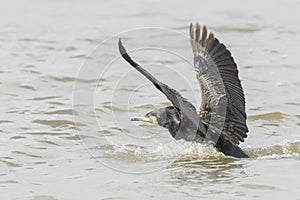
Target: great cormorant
222, 117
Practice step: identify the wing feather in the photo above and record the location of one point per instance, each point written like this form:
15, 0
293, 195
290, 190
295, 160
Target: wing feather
186, 108
211, 55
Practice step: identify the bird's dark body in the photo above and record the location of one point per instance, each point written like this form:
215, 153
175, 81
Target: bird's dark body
222, 118
181, 127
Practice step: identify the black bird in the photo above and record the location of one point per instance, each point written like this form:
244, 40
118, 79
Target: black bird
222, 117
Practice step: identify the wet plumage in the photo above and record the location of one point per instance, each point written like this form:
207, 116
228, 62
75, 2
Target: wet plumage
221, 120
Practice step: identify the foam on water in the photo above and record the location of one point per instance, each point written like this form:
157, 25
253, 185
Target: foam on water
193, 151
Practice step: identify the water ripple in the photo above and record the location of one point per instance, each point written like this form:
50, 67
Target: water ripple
57, 123
61, 112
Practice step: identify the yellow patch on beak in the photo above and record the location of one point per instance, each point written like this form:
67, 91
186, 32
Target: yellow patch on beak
150, 119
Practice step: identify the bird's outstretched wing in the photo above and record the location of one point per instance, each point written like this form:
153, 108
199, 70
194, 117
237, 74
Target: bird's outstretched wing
182, 104
210, 58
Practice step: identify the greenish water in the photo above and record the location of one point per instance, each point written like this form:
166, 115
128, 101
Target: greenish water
52, 150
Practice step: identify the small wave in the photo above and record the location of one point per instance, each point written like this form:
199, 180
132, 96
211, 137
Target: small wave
46, 133
267, 116
62, 112
26, 154
72, 79
9, 163
248, 29
57, 123
28, 87
285, 150
5, 121
112, 107
44, 98
9, 182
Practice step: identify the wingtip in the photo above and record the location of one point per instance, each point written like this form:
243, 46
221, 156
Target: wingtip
125, 55
197, 32
121, 47
191, 31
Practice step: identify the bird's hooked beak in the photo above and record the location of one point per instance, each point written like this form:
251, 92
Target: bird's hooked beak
149, 119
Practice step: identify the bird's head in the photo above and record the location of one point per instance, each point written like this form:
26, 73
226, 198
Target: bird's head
167, 117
